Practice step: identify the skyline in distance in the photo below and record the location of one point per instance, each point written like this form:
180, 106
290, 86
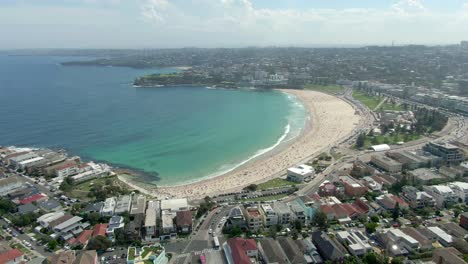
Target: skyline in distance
229, 23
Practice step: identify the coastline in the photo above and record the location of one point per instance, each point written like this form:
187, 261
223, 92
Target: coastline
330, 120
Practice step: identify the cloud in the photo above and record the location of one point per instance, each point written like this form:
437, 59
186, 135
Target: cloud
408, 6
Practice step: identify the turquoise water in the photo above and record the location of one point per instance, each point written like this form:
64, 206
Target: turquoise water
175, 134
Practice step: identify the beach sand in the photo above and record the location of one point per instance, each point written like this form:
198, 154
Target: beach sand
331, 120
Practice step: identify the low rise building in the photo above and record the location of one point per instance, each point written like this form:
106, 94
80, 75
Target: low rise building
174, 205
443, 195
123, 204
352, 187
464, 220
424, 176
386, 163
299, 173
184, 221
109, 207
138, 205
389, 201
417, 199
253, 218
151, 221
396, 239
415, 159
445, 239
270, 218
461, 190
328, 248
240, 251
271, 252
284, 213
451, 154
115, 222
447, 256
291, 250
168, 229
10, 184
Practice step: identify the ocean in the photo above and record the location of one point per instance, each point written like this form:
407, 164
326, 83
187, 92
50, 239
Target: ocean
174, 134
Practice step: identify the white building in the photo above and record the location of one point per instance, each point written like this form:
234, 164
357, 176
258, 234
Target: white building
174, 205
45, 219
30, 162
442, 194
460, 189
299, 173
399, 238
123, 204
356, 242
9, 185
270, 218
372, 184
445, 239
108, 207
91, 171
116, 222
151, 220
284, 213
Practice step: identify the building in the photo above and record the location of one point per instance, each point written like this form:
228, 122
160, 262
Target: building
417, 199
67, 169
451, 154
240, 251
424, 243
151, 221
123, 204
395, 239
67, 227
386, 163
10, 184
115, 222
454, 230
64, 257
108, 207
291, 250
168, 229
447, 256
328, 248
87, 257
253, 218
174, 205
464, 220
444, 239
270, 218
46, 219
236, 218
415, 159
138, 205
356, 242
389, 202
461, 190
271, 252
372, 184
379, 148
82, 239
352, 187
133, 229
99, 230
443, 195
361, 169
299, 173
50, 205
284, 213
11, 256
424, 176
184, 221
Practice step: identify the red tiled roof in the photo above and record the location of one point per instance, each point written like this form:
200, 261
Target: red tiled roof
183, 218
349, 209
65, 166
340, 210
10, 255
33, 198
99, 230
401, 202
239, 248
361, 206
82, 239
327, 209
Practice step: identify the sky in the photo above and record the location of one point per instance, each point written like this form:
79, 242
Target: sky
229, 23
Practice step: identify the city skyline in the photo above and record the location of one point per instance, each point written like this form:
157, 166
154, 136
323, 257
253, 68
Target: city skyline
229, 23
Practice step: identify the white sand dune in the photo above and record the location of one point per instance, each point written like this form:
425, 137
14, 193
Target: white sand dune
332, 120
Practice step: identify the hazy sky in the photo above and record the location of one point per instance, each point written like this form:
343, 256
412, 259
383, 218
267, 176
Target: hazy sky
228, 23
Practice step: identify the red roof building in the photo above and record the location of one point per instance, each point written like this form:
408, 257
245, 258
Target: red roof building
184, 221
35, 198
99, 230
11, 256
241, 250
82, 239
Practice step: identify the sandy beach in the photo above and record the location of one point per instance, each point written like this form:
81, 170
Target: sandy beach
331, 120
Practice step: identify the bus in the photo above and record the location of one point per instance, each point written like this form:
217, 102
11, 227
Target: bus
216, 242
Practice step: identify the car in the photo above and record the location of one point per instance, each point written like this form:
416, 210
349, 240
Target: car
438, 219
114, 257
210, 231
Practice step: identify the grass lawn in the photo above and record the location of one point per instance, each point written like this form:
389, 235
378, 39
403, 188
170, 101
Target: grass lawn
387, 106
81, 190
369, 101
21, 248
324, 88
275, 183
266, 198
389, 139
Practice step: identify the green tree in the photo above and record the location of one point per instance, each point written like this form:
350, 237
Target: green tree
298, 225
371, 227
99, 243
396, 212
320, 219
52, 245
360, 140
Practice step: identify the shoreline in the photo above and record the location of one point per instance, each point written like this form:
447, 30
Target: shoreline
330, 119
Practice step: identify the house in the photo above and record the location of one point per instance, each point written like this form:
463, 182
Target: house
11, 256
454, 230
361, 169
67, 226
138, 205
386, 163
34, 198
291, 250
46, 219
417, 199
50, 205
133, 229
397, 242
115, 222
151, 219
64, 257
444, 239
122, 204
356, 242
270, 218
99, 230
372, 184
10, 184
240, 251
447, 256
253, 217
330, 189
424, 243
443, 195
87, 257
168, 229
299, 173
352, 187
299, 212
184, 221
28, 208
93, 208
81, 239
310, 251
109, 207
236, 218
464, 220
389, 201
328, 248
271, 252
